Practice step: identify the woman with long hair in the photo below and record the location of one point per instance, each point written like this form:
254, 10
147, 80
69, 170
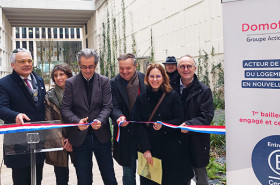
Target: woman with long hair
156, 140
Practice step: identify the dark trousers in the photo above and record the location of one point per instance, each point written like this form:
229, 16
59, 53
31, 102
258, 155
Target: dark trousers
200, 176
83, 161
130, 171
62, 175
22, 176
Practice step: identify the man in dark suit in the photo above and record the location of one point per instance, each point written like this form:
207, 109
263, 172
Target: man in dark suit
126, 86
87, 97
199, 110
22, 96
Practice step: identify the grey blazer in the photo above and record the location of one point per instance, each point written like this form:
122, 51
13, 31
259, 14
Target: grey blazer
75, 107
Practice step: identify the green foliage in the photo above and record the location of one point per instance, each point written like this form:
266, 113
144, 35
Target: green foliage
102, 53
218, 82
203, 73
37, 70
216, 170
152, 47
217, 74
124, 26
108, 40
218, 140
114, 46
217, 167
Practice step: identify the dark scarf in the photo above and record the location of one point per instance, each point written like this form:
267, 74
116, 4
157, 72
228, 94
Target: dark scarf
132, 91
173, 75
59, 94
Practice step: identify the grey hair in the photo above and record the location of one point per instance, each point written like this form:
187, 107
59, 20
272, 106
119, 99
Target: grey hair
125, 56
88, 53
189, 56
16, 51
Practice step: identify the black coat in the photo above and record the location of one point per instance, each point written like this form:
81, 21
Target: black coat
198, 110
122, 149
164, 143
15, 99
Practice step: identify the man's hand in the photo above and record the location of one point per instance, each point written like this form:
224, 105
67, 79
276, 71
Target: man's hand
157, 126
67, 146
184, 131
96, 124
83, 127
20, 117
148, 157
122, 118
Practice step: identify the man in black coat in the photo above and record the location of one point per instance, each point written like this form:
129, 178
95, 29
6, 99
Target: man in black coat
125, 87
22, 95
199, 110
171, 67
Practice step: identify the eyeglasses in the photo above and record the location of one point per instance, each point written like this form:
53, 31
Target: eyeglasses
183, 67
85, 67
18, 50
155, 76
23, 61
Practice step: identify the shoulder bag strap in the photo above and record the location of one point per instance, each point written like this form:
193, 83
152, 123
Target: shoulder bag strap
156, 107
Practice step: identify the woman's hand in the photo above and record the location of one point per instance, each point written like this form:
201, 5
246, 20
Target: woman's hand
67, 146
148, 157
157, 126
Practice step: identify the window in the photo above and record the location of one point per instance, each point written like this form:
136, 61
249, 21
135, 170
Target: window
24, 32
78, 33
66, 33
43, 33
17, 32
24, 44
17, 44
86, 28
30, 32
31, 47
49, 33
37, 33
72, 33
55, 33
61, 33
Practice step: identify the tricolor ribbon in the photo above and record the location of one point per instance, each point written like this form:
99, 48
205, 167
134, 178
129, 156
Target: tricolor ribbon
209, 129
14, 128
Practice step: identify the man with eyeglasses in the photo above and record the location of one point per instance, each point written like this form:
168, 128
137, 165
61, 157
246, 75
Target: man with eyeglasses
87, 98
171, 67
22, 96
199, 110
126, 86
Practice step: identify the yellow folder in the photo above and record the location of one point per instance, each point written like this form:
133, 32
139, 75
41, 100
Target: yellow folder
148, 171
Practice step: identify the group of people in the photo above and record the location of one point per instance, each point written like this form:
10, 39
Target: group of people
173, 96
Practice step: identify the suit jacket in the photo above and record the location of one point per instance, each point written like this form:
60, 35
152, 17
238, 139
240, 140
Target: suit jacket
122, 149
75, 106
15, 99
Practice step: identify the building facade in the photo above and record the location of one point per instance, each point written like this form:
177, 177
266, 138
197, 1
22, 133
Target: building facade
5, 45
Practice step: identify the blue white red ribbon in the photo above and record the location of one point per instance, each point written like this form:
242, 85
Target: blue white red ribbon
209, 129
14, 128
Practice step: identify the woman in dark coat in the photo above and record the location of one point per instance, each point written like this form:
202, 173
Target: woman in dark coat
53, 100
160, 141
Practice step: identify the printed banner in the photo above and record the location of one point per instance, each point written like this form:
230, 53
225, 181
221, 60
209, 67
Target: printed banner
252, 88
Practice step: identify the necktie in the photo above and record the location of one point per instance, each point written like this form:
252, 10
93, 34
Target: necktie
27, 83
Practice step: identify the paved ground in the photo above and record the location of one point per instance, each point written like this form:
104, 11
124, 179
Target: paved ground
49, 177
